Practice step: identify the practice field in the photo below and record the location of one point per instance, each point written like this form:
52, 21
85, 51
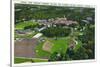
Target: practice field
59, 45
47, 46
40, 53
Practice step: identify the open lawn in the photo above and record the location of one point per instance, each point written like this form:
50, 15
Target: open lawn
21, 25
22, 60
59, 45
40, 53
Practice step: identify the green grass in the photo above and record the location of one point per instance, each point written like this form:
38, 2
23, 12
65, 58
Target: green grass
21, 60
60, 45
40, 60
33, 60
40, 53
21, 25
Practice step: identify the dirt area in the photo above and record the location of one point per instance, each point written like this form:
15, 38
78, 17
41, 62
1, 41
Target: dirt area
47, 46
25, 48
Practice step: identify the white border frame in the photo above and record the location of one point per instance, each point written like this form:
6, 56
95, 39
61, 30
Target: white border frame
48, 63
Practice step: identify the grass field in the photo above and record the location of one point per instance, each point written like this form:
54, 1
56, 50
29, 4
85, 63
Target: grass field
21, 25
59, 45
40, 53
22, 60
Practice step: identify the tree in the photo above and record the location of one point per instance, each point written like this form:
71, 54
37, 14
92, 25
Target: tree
56, 32
88, 40
31, 26
80, 54
70, 52
56, 56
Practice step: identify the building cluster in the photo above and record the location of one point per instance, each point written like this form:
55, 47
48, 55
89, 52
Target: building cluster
62, 21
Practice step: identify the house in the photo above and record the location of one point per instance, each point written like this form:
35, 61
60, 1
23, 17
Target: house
86, 21
42, 21
38, 35
41, 28
89, 18
23, 32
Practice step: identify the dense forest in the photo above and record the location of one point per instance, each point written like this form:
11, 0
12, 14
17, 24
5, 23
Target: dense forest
28, 12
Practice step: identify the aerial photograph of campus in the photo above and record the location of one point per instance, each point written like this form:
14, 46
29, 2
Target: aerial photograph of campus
44, 33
